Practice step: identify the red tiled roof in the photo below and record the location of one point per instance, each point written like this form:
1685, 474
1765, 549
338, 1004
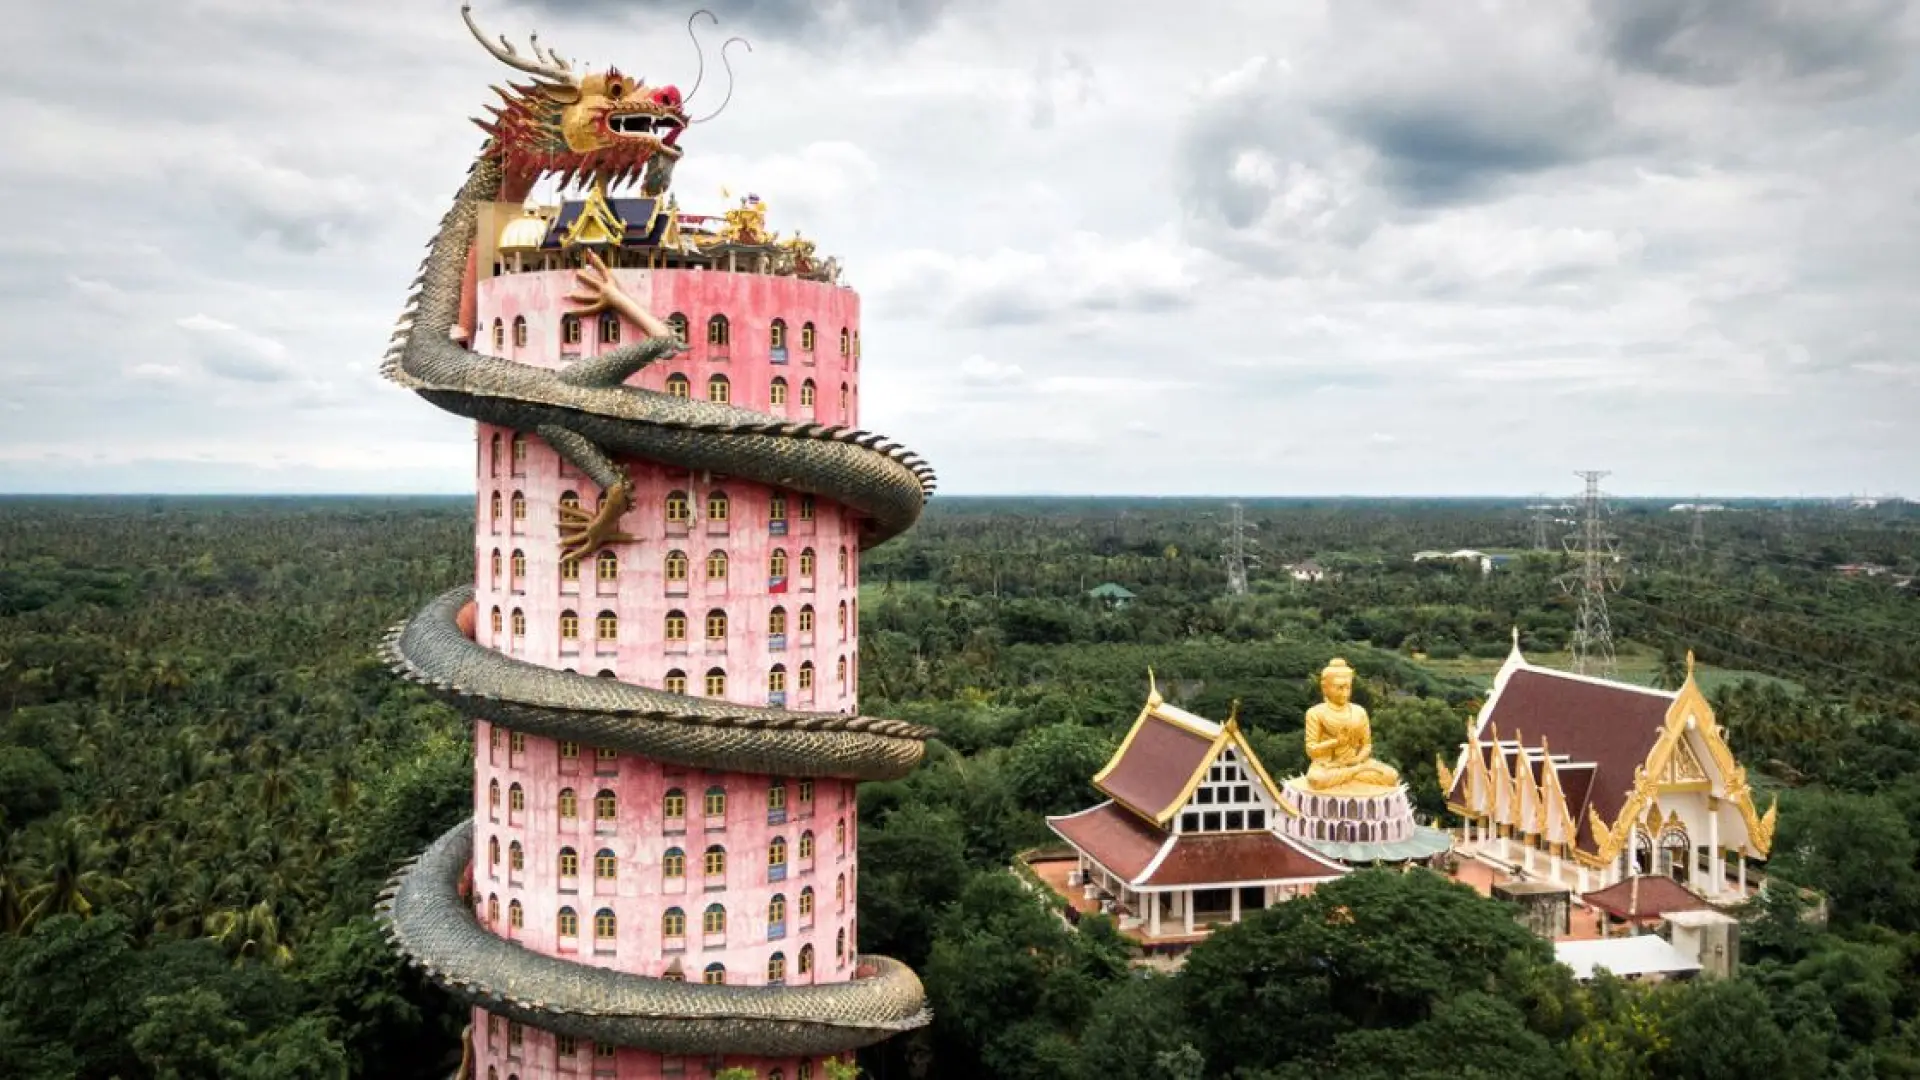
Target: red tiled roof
1658, 895
1111, 836
1152, 770
1612, 725
1225, 858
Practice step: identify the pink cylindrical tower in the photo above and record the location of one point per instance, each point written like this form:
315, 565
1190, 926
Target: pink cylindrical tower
659, 649
727, 589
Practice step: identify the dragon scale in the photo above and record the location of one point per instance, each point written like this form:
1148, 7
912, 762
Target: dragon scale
591, 418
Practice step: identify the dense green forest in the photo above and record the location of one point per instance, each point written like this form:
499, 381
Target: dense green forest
205, 777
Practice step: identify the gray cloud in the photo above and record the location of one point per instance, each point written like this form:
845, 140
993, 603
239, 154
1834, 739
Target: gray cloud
1366, 247
1835, 48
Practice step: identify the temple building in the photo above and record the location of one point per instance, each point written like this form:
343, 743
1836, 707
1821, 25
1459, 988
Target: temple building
1590, 782
1188, 836
1195, 833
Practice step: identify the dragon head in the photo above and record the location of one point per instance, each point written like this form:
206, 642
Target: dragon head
601, 126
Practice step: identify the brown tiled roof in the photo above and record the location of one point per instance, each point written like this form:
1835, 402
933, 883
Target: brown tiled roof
1658, 895
1225, 858
1612, 725
1111, 836
1154, 766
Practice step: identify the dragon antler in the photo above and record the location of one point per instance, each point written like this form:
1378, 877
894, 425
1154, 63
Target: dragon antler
546, 63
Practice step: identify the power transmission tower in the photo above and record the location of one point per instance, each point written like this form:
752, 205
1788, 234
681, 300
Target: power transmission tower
1598, 572
1540, 519
1237, 556
1697, 536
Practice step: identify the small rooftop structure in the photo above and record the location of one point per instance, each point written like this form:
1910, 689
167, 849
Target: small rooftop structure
1645, 897
1117, 595
1645, 956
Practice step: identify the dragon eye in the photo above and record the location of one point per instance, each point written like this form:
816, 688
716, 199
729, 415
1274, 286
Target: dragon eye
614, 89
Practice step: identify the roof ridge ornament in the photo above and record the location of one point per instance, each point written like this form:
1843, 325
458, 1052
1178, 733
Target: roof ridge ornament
1154, 700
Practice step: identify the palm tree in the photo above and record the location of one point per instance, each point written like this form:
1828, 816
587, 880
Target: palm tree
71, 883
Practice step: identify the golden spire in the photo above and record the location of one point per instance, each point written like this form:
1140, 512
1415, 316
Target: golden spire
1233, 714
1154, 700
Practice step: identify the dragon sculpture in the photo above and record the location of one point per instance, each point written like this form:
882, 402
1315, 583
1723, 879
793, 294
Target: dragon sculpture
608, 127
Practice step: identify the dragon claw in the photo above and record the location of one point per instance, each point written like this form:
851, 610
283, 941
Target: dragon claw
583, 532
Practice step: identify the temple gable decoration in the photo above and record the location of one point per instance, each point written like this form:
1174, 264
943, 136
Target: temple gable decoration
1169, 753
1627, 778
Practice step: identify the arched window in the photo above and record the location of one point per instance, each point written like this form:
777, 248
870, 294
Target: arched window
806, 618
607, 626
806, 959
493, 908
843, 563
856, 348
715, 975
806, 337
673, 923
606, 865
806, 845
569, 923
569, 803
569, 500
719, 391
679, 509
840, 672
499, 336
676, 569
604, 924
777, 564
519, 453
718, 331
806, 562
806, 792
676, 625
493, 458
806, 508
777, 334
777, 971
777, 795
675, 804
519, 620
495, 619
569, 626
716, 802
777, 392
569, 863
493, 851
569, 750
606, 805
840, 945
777, 853
846, 400
806, 675
840, 835
517, 565
609, 328
715, 919
516, 915
569, 569
519, 506
673, 864
516, 857
716, 625
716, 861
716, 682
570, 329
493, 565
777, 679
679, 386
846, 342
840, 890
806, 898
806, 394
717, 506
493, 794
843, 620
496, 507
606, 566
716, 565
777, 621
676, 682
519, 331
677, 323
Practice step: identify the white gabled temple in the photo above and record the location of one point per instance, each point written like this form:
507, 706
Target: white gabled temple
1601, 780
1189, 835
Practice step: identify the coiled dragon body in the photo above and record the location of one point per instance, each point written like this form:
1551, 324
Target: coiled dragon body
608, 127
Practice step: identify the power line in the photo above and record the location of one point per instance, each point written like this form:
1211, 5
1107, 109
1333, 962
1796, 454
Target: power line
1599, 572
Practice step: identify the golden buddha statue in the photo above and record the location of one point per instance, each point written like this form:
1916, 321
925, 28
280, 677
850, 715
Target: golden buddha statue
1340, 741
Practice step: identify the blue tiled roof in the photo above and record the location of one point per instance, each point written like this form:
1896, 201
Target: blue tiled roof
634, 212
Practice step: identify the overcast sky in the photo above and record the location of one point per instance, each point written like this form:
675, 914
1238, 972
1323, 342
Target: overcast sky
1104, 246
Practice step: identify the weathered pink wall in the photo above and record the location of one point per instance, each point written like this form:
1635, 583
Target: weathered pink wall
641, 597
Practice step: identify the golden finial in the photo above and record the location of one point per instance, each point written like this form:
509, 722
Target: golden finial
1153, 691
1689, 665
1233, 714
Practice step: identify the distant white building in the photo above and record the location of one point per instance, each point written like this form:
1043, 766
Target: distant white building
1487, 563
1307, 571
